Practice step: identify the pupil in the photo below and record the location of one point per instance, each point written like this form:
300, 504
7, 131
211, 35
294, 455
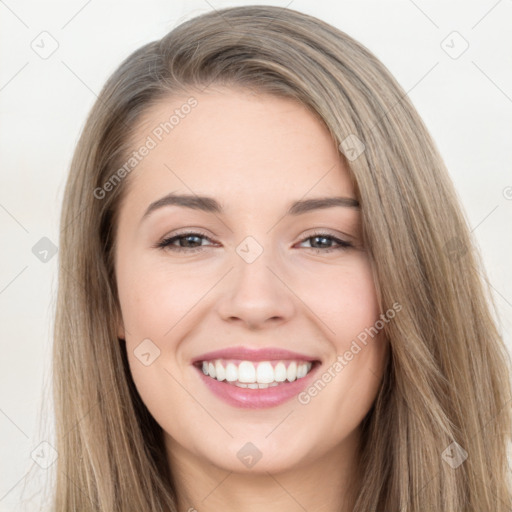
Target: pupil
189, 237
321, 238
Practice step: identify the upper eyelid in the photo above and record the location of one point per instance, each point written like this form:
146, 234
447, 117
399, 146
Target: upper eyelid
315, 232
304, 237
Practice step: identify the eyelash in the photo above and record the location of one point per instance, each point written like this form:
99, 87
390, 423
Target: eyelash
166, 242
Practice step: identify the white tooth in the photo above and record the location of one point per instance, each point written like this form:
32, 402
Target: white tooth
280, 372
302, 369
231, 372
205, 367
246, 372
240, 385
263, 386
291, 372
265, 373
211, 370
309, 364
219, 370
253, 385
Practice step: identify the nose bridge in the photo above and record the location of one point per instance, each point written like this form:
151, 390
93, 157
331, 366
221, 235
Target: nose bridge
255, 293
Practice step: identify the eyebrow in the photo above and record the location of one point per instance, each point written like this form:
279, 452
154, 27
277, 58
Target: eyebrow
211, 205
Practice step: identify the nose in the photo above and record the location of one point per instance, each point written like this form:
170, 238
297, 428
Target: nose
256, 294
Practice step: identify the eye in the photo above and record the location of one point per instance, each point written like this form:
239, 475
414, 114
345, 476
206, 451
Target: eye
188, 242
320, 238
191, 242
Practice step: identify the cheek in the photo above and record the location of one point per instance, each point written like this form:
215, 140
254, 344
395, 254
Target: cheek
346, 301
348, 306
154, 299
154, 304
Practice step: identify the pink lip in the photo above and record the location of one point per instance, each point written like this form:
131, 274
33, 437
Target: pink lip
246, 354
257, 398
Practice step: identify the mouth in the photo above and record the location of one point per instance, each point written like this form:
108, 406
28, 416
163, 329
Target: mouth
255, 375
251, 378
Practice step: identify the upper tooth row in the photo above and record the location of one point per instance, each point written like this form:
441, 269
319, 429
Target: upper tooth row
262, 372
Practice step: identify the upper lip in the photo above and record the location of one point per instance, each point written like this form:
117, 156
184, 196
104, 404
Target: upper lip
248, 354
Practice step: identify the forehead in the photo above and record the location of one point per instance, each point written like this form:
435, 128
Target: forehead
232, 143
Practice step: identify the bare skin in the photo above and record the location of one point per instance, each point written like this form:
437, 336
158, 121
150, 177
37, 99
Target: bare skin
255, 154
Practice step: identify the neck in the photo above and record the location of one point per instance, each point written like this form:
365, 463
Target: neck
326, 484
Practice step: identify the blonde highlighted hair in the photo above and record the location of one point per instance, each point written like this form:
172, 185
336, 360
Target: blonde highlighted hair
447, 378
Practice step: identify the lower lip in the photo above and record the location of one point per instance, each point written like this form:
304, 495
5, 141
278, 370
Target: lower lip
257, 398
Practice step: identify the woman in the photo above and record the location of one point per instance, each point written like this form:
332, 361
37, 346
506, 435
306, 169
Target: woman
211, 352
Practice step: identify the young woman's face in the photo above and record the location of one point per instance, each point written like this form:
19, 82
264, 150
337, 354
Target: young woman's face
261, 282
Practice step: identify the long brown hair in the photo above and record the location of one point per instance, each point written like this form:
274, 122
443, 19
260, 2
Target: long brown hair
447, 379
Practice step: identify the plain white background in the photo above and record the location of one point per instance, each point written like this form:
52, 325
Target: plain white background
463, 94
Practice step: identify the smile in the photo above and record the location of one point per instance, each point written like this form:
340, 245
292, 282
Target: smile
250, 378
256, 375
